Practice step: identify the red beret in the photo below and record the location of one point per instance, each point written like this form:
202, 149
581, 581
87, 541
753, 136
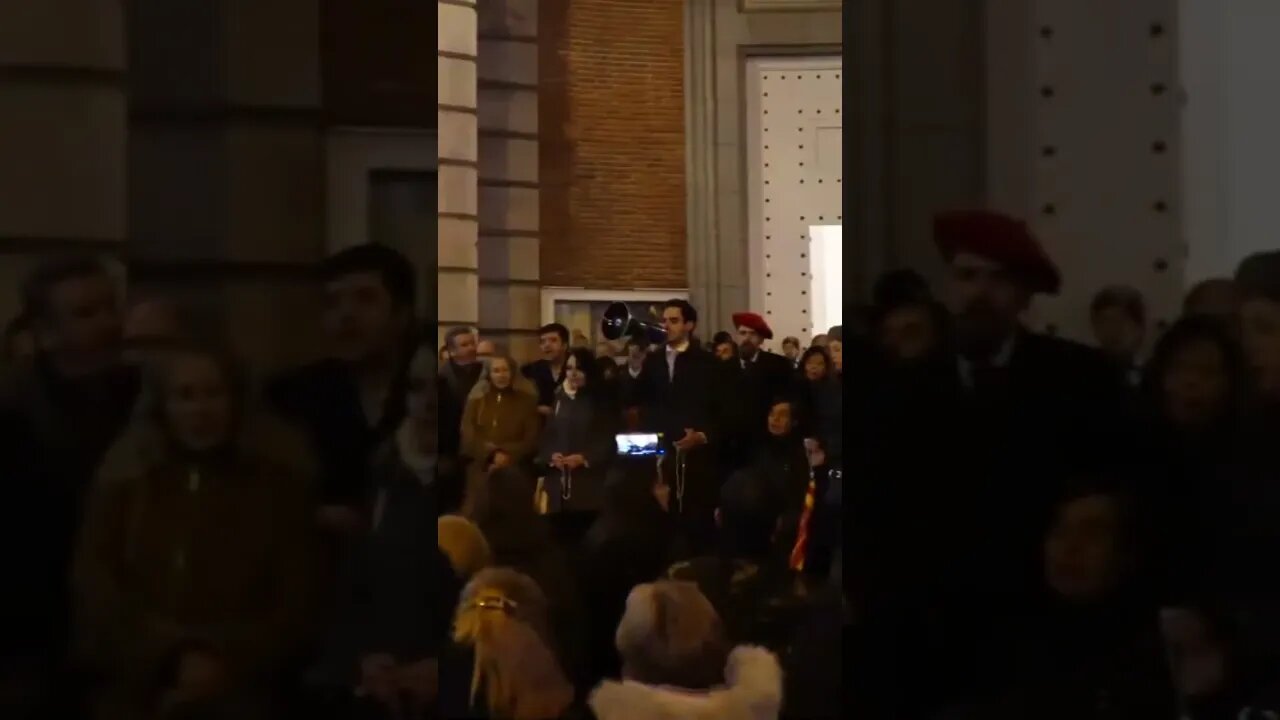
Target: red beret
753, 321
1001, 239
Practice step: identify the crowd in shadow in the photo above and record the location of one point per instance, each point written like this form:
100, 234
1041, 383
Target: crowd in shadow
696, 577
1043, 529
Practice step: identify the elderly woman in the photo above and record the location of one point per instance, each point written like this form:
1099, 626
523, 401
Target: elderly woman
500, 424
676, 663
196, 542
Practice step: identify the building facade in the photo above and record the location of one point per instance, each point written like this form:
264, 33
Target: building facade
216, 150
587, 165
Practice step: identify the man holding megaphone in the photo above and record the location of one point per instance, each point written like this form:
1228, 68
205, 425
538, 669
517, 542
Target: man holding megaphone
680, 394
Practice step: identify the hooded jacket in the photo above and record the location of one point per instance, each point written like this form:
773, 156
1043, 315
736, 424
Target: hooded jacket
752, 691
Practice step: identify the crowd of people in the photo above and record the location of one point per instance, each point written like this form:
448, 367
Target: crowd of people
700, 578
187, 536
1044, 529
653, 529
184, 537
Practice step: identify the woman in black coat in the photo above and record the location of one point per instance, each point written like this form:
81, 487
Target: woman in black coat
820, 396
1191, 403
782, 459
576, 448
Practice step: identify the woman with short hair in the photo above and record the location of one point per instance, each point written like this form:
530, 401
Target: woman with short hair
677, 663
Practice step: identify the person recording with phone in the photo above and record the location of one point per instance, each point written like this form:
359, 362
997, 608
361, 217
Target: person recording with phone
680, 393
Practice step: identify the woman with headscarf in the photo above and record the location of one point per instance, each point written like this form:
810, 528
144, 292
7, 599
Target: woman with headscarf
157, 569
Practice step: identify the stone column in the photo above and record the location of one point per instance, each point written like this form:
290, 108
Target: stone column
226, 168
457, 196
706, 275
62, 134
509, 188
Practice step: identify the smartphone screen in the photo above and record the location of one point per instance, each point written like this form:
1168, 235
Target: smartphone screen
639, 444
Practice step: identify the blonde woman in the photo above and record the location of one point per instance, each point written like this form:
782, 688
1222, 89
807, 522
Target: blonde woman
676, 663
502, 664
197, 541
500, 423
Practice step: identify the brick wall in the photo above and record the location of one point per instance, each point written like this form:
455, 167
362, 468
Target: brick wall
612, 155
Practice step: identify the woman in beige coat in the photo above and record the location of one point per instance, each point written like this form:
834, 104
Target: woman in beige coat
197, 549
500, 425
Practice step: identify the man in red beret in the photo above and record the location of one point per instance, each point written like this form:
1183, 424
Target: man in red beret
761, 377
753, 332
997, 266
965, 455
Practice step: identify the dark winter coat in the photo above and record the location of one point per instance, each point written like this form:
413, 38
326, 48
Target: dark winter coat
323, 400
391, 598
54, 433
583, 424
753, 387
955, 483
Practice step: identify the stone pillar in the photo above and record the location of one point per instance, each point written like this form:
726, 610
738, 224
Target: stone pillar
226, 168
62, 134
457, 202
509, 187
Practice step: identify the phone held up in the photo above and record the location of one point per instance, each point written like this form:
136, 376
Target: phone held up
639, 444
